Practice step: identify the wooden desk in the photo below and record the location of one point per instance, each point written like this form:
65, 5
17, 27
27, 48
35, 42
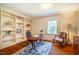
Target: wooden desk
46, 39
33, 38
40, 39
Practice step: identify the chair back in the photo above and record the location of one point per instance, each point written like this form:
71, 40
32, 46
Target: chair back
28, 34
63, 35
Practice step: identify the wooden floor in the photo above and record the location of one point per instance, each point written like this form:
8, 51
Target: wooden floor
55, 50
12, 49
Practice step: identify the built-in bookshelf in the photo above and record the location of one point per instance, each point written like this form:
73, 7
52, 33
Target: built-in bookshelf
27, 26
12, 28
7, 28
19, 28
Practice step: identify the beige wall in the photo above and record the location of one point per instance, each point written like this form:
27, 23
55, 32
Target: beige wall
68, 19
77, 22
41, 23
12, 11
63, 19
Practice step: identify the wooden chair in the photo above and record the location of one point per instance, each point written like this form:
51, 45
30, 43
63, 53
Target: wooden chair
61, 38
32, 40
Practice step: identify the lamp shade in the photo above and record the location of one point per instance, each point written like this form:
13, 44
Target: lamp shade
41, 30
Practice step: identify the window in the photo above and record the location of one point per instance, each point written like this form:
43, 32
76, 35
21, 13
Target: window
52, 27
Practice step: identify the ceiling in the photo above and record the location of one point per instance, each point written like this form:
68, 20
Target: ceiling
36, 10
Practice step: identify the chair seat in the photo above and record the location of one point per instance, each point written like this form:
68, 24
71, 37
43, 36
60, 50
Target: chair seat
58, 39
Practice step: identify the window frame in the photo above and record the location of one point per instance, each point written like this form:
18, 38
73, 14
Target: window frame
52, 27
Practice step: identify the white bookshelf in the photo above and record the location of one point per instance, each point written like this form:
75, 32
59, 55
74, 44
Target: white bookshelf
12, 29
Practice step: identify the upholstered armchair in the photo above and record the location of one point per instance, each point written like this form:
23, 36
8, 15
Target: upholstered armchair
61, 38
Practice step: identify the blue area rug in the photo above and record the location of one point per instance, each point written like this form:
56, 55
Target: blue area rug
43, 48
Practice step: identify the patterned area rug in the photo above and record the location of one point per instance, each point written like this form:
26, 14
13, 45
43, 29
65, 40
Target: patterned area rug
42, 48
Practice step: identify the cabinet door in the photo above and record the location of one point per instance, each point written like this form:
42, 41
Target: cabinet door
76, 44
